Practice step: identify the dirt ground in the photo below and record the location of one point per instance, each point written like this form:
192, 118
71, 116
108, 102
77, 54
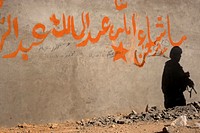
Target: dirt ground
72, 127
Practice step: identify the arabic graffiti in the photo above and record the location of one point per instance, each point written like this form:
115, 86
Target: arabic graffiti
1, 3
145, 47
121, 6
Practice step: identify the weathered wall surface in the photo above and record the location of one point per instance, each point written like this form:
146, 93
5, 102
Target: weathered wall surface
56, 80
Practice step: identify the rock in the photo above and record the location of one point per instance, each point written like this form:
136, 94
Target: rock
52, 125
112, 126
180, 121
191, 117
83, 123
157, 117
78, 122
103, 122
133, 117
116, 119
147, 116
197, 125
141, 116
196, 116
97, 123
128, 121
169, 129
107, 120
134, 112
147, 108
153, 109
91, 122
121, 120
166, 130
192, 109
24, 125
166, 116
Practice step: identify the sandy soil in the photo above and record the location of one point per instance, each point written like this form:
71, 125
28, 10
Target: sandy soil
71, 127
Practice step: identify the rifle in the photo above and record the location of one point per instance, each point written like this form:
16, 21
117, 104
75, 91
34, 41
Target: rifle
190, 91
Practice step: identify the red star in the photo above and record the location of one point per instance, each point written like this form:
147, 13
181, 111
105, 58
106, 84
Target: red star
120, 52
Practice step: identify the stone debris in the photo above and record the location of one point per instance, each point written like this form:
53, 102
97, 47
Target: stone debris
180, 121
197, 125
170, 129
190, 111
24, 125
52, 125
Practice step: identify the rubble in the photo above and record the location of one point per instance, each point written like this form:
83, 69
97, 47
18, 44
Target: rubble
170, 129
24, 125
197, 125
180, 121
52, 125
191, 111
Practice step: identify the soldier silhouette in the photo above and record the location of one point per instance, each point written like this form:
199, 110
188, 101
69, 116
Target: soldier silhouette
175, 80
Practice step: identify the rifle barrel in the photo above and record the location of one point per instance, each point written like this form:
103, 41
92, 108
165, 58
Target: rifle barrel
194, 90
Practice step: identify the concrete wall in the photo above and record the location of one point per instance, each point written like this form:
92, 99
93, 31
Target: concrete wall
61, 81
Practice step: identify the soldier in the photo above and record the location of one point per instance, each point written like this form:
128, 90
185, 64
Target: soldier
175, 80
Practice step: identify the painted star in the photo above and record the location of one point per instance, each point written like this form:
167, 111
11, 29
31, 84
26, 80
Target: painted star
120, 52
